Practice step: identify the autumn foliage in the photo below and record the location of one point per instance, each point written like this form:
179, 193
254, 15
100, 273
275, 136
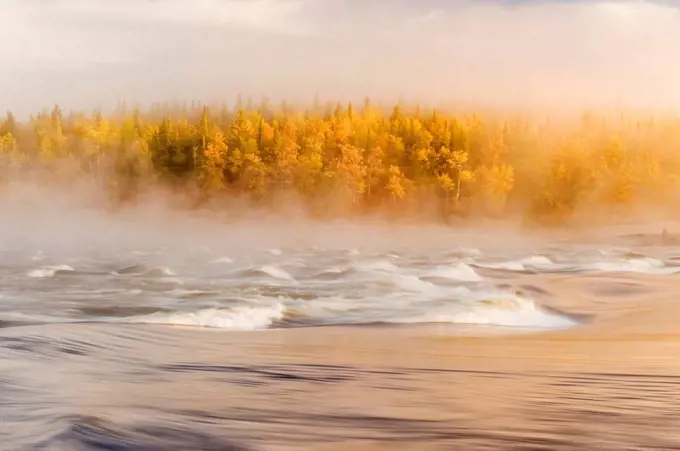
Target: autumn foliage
347, 161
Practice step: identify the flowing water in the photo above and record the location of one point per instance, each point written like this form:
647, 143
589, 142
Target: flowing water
181, 336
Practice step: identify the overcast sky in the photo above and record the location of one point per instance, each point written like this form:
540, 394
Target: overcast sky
92, 53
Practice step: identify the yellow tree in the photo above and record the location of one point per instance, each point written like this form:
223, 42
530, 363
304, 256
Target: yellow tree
350, 172
492, 149
451, 167
9, 125
98, 132
375, 169
9, 152
616, 175
286, 150
495, 184
395, 184
654, 182
420, 157
254, 171
310, 163
45, 146
240, 131
212, 164
621, 188
395, 150
568, 178
57, 130
132, 159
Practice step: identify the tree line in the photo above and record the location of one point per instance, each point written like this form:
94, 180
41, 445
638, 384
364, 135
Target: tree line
351, 160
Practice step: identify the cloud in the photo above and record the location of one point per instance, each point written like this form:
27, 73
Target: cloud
87, 53
271, 16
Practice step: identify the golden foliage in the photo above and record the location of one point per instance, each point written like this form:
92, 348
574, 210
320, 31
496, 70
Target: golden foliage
366, 156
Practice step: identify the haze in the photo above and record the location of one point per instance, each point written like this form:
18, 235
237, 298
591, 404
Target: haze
71, 221
87, 54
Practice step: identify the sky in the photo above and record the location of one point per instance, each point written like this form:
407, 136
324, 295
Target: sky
88, 54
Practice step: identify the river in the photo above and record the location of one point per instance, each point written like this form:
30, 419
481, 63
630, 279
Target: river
119, 334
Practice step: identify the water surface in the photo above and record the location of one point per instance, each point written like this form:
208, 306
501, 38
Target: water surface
135, 338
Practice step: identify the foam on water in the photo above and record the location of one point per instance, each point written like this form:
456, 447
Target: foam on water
39, 256
332, 270
380, 266
496, 309
234, 318
159, 271
460, 272
188, 294
463, 253
644, 265
459, 305
524, 264
331, 273
308, 287
600, 260
411, 283
274, 272
146, 271
48, 271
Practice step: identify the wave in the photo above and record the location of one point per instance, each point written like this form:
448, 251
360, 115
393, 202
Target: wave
411, 283
524, 264
412, 301
119, 311
234, 318
331, 273
84, 433
382, 274
461, 306
191, 294
497, 310
332, 270
49, 271
223, 260
616, 260
146, 271
645, 265
376, 266
463, 252
39, 256
460, 272
271, 271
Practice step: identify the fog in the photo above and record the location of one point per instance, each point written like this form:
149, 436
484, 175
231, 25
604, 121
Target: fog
71, 221
87, 54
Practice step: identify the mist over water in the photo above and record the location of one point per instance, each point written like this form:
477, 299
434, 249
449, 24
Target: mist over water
157, 327
160, 265
165, 266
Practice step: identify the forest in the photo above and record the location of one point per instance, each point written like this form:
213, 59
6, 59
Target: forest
339, 160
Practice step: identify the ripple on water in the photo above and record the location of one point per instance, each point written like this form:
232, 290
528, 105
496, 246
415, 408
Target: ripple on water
44, 272
83, 433
242, 317
319, 287
136, 384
